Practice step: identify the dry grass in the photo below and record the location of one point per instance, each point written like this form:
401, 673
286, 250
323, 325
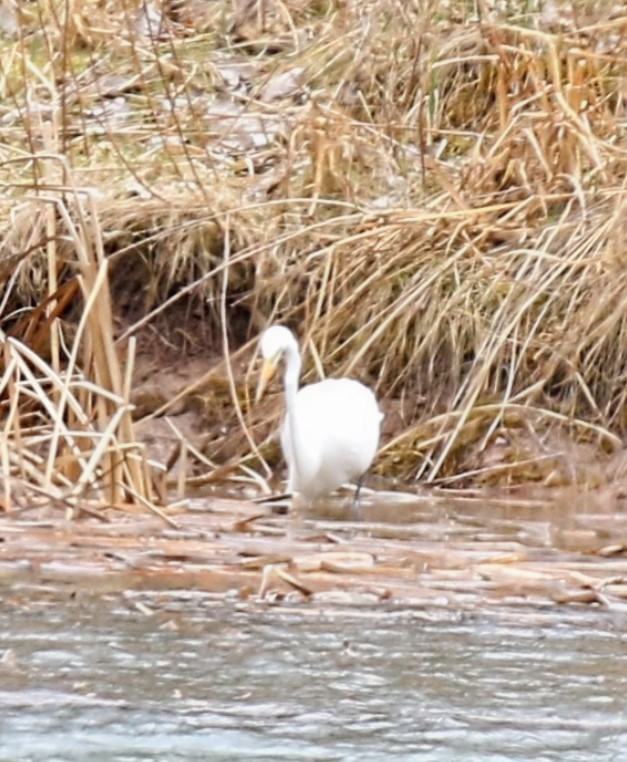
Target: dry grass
431, 193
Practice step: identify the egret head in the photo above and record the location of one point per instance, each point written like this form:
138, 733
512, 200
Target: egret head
275, 341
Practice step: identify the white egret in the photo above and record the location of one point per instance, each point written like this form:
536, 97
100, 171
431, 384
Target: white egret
330, 433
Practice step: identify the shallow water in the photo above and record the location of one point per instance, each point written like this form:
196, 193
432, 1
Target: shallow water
179, 676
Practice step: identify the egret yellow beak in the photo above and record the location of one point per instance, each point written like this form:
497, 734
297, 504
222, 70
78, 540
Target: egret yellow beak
268, 369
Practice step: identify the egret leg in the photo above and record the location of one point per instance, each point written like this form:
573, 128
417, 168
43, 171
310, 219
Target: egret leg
360, 482
355, 506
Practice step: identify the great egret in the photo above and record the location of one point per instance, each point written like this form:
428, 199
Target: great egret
331, 429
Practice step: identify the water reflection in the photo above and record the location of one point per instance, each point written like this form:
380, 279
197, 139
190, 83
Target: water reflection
99, 679
566, 520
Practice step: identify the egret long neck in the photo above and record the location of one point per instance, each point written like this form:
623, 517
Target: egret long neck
298, 448
291, 378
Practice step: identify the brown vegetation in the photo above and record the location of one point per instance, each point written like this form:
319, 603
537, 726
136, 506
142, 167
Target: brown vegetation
431, 193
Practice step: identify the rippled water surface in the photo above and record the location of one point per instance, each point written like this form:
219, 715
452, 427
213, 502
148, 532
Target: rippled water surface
180, 677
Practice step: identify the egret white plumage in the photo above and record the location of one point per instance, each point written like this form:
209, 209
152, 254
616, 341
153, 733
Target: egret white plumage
330, 433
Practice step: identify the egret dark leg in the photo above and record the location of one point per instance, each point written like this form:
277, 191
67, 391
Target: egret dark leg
355, 507
360, 482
